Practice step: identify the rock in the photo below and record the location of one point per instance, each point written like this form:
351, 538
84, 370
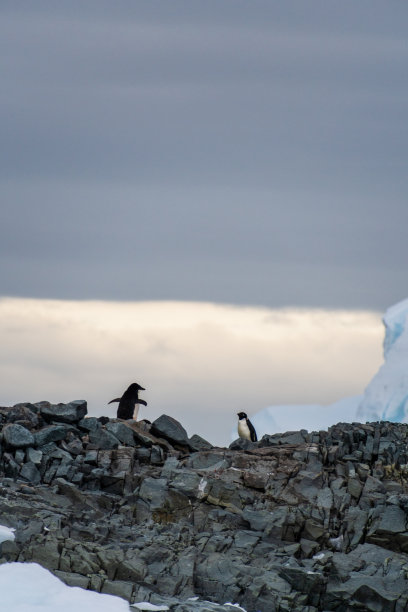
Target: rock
197, 443
65, 413
389, 529
306, 581
103, 439
225, 495
168, 428
119, 588
17, 436
11, 467
52, 433
241, 444
308, 547
354, 487
30, 472
156, 455
23, 414
34, 456
72, 579
203, 460
123, 433
187, 483
141, 436
90, 424
257, 519
74, 447
290, 437
131, 568
255, 481
302, 522
365, 593
19, 456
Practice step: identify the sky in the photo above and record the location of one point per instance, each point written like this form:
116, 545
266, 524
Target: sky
173, 158
242, 153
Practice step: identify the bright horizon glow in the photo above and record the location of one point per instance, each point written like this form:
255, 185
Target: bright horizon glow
199, 362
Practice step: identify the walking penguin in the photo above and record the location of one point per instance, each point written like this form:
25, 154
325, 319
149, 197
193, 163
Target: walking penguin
128, 404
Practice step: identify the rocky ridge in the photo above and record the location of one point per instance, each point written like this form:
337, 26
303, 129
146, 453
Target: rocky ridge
297, 521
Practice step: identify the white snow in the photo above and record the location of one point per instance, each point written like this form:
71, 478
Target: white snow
319, 556
146, 605
28, 587
6, 533
201, 487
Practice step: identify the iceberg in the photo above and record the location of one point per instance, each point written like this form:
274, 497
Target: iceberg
384, 399
386, 396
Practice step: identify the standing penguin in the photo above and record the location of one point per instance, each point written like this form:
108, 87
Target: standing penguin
128, 403
245, 428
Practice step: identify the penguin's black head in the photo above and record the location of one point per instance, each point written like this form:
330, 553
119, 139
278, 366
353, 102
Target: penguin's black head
242, 415
136, 387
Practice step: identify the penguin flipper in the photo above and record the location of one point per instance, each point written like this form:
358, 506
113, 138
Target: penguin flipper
140, 401
254, 437
117, 399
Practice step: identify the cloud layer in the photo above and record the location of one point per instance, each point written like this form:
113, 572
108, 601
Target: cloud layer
199, 362
250, 154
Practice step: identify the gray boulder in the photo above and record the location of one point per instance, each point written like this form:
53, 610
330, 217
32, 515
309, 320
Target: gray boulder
197, 443
65, 413
23, 414
31, 473
168, 428
123, 433
51, 433
17, 436
103, 439
242, 444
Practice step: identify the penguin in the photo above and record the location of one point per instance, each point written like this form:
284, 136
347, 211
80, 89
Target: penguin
245, 428
128, 403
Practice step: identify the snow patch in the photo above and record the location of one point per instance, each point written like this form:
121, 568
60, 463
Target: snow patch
146, 605
44, 592
6, 533
201, 487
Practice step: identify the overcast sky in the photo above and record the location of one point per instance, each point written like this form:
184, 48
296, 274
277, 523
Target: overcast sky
238, 152
218, 154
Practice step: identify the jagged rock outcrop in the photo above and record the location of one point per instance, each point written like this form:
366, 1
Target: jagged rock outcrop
297, 521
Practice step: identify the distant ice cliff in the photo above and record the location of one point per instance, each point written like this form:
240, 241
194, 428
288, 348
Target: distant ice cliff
386, 396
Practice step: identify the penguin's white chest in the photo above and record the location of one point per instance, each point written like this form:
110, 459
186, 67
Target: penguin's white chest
243, 430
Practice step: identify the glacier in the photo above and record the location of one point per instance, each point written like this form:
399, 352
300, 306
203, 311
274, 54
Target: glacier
384, 399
